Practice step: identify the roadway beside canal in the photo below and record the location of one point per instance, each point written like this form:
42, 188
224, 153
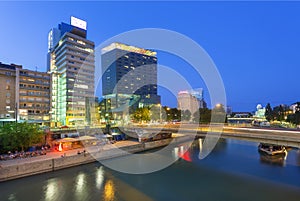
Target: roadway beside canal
261, 135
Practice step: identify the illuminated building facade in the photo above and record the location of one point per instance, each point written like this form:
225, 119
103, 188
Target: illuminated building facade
34, 96
71, 64
130, 76
8, 103
25, 95
190, 100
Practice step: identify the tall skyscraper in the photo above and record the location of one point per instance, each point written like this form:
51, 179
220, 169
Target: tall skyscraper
72, 66
190, 100
130, 75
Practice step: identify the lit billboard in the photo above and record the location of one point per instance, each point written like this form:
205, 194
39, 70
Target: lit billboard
78, 23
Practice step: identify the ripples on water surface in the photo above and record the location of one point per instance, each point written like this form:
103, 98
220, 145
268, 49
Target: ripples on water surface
234, 171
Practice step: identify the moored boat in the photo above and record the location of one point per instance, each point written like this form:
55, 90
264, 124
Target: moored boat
271, 149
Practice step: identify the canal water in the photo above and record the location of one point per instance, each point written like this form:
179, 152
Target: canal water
233, 171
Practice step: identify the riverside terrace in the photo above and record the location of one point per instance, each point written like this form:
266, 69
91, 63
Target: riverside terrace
55, 160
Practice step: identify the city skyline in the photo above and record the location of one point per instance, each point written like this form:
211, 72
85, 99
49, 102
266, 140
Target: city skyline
254, 48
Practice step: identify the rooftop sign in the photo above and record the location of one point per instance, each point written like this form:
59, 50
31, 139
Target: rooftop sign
128, 48
78, 23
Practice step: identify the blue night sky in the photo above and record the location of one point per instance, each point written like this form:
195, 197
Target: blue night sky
255, 45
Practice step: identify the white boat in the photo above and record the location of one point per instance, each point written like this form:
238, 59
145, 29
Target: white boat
271, 149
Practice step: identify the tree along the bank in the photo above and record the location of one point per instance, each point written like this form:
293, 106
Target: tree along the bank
171, 114
295, 118
20, 136
218, 114
269, 112
203, 115
141, 115
186, 115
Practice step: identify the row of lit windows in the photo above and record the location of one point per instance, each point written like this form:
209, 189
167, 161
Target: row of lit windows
33, 74
33, 86
34, 105
75, 115
35, 99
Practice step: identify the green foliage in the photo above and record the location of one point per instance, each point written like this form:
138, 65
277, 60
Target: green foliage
171, 114
218, 114
278, 113
202, 116
141, 114
186, 115
205, 115
19, 136
269, 112
155, 113
295, 118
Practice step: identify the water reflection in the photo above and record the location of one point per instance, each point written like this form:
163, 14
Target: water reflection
81, 186
109, 191
80, 182
182, 151
12, 197
51, 190
298, 157
233, 171
99, 177
273, 160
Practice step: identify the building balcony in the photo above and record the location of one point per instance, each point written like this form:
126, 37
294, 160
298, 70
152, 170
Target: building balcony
35, 76
34, 101
32, 95
34, 107
36, 89
34, 83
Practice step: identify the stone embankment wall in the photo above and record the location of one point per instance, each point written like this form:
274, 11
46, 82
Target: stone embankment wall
47, 165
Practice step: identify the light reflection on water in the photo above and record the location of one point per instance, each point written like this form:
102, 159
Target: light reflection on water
233, 171
51, 190
99, 177
109, 191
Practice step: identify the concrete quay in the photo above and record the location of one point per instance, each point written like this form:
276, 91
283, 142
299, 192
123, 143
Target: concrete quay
18, 168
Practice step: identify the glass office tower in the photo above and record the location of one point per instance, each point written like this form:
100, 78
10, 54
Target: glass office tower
72, 65
130, 75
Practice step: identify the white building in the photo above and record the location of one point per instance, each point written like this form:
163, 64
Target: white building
190, 100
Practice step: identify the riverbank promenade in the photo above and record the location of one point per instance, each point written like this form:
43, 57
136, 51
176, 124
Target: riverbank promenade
54, 154
55, 160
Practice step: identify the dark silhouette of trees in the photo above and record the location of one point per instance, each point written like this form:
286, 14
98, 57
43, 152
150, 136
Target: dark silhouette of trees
218, 114
269, 112
186, 115
295, 118
203, 115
